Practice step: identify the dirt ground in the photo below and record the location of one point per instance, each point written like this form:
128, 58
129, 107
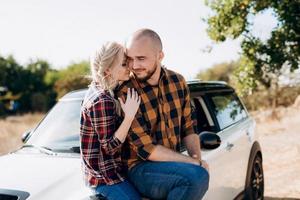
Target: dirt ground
12, 128
279, 138
280, 142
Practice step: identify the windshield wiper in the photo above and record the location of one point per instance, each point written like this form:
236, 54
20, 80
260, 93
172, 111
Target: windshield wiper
42, 149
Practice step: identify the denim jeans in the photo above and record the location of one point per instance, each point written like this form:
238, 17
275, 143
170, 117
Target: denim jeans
170, 180
123, 190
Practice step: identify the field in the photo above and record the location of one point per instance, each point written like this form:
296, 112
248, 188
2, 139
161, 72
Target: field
279, 138
280, 141
12, 128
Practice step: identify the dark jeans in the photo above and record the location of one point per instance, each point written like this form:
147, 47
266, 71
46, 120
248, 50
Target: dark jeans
170, 180
123, 190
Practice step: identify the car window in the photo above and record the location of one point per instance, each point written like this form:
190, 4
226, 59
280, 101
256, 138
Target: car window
227, 108
201, 115
60, 128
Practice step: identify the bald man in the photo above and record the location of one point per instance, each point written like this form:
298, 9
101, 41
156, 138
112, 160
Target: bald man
163, 122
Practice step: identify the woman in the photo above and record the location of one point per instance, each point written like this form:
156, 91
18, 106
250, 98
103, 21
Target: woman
101, 136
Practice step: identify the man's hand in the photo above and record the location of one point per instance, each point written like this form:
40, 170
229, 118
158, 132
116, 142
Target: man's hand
204, 164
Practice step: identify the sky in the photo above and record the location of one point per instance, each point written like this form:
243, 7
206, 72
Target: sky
67, 31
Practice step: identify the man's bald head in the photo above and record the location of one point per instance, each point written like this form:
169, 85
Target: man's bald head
144, 53
147, 34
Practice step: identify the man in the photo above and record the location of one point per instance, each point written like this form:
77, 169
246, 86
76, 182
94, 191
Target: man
163, 122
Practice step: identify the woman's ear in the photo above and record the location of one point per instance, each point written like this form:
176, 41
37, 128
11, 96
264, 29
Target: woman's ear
107, 72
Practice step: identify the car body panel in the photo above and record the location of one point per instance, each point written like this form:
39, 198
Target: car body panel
45, 177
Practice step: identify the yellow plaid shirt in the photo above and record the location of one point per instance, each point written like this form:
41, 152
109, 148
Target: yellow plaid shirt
164, 116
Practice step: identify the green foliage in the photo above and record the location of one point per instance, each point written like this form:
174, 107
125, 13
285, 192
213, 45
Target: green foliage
230, 19
260, 98
219, 72
36, 86
39, 102
262, 61
36, 72
51, 77
11, 75
74, 77
244, 76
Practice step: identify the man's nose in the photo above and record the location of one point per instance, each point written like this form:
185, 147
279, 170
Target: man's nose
135, 65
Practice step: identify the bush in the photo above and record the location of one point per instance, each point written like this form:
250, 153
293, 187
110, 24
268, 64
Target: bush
262, 99
39, 102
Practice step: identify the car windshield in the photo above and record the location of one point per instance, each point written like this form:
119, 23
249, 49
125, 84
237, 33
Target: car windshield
59, 130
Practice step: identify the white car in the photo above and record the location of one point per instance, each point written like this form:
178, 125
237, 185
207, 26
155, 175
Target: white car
48, 166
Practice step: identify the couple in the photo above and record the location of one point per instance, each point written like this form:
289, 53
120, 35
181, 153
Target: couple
156, 109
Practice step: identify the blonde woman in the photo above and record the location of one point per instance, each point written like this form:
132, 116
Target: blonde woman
101, 136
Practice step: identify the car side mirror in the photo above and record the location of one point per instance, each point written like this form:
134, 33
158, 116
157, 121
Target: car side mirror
26, 135
209, 140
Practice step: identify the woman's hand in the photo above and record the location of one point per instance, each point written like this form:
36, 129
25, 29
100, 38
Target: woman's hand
131, 105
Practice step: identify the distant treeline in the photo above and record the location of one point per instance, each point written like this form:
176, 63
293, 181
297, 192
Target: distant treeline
282, 91
36, 86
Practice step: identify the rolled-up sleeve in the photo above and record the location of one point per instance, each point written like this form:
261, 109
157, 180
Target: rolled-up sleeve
103, 120
187, 121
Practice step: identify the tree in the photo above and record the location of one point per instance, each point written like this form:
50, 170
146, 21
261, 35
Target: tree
219, 72
74, 77
11, 74
37, 71
38, 95
11, 82
36, 86
261, 61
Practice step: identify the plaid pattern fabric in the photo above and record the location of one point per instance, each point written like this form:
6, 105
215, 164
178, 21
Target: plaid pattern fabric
100, 150
164, 116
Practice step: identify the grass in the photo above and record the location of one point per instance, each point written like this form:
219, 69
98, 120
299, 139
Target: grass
12, 129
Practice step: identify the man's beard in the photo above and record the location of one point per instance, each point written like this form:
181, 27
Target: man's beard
148, 75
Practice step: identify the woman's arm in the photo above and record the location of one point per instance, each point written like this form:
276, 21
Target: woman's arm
102, 114
129, 108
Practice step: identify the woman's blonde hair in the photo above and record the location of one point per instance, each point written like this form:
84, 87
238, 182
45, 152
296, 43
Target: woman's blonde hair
102, 60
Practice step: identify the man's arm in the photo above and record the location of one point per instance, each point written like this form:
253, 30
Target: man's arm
192, 143
161, 153
188, 135
148, 150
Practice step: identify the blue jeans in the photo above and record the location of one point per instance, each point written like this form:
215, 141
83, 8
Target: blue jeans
170, 180
123, 190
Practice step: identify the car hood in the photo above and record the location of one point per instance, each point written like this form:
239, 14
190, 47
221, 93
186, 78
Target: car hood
43, 176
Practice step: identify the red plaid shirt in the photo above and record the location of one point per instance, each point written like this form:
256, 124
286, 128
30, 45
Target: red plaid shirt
100, 150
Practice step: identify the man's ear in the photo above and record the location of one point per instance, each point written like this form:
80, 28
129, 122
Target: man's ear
161, 55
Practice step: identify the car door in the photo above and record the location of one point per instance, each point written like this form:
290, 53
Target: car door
206, 122
229, 161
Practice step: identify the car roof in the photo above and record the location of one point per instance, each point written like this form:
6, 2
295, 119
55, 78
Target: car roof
74, 95
194, 86
206, 86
